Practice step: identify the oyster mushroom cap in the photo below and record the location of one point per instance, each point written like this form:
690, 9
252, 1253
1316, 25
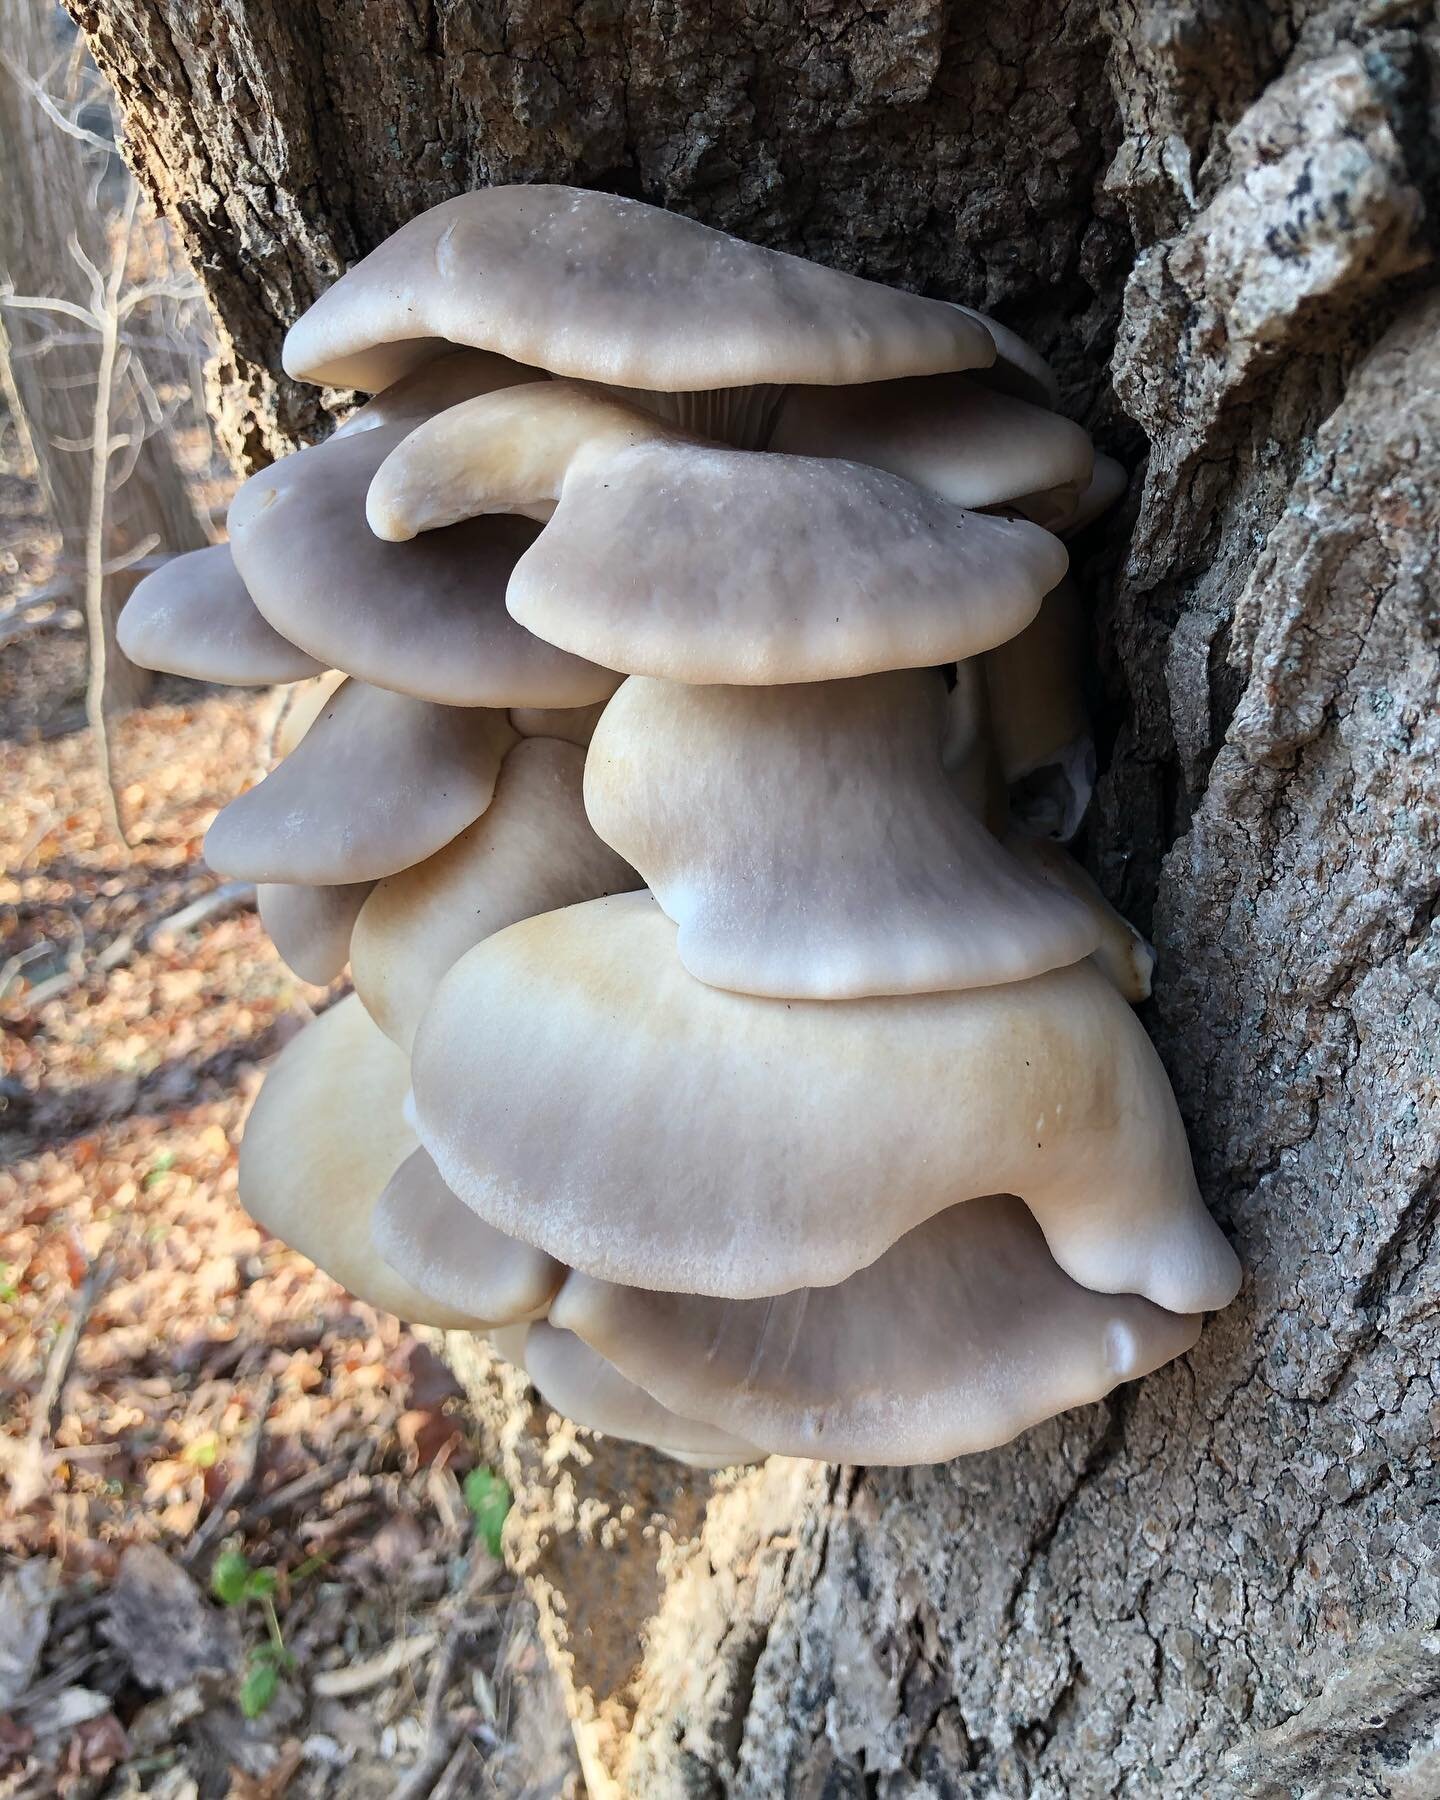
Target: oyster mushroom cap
961, 1335
949, 433
1018, 368
578, 1382
194, 616
594, 286
311, 926
744, 1147
427, 620
442, 1249
531, 851
809, 843
324, 1136
737, 568
378, 782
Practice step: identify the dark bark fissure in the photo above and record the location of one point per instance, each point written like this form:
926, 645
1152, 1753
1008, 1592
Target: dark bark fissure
1219, 220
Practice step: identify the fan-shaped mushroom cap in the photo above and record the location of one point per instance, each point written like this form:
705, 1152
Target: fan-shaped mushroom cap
950, 433
1018, 369
311, 926
531, 851
964, 1333
428, 620
573, 725
302, 706
578, 1382
745, 1147
378, 782
810, 845
735, 568
1122, 955
446, 1251
324, 1136
608, 289
193, 616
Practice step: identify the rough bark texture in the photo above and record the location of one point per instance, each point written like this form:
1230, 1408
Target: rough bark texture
1219, 217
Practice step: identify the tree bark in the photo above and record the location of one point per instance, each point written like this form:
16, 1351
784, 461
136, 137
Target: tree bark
1218, 218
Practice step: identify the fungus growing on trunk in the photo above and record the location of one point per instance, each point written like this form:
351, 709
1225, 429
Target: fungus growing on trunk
841, 1139
194, 616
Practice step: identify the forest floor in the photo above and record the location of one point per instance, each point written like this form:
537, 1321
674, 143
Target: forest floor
185, 1404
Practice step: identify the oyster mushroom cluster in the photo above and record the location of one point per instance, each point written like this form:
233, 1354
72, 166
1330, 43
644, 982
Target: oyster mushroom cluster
731, 1038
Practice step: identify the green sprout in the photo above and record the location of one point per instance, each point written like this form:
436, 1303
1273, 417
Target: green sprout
488, 1497
235, 1584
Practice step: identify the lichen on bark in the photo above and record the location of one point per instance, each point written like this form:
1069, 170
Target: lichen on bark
1219, 218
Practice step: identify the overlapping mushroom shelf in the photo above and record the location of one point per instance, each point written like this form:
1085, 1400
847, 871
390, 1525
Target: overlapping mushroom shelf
732, 1038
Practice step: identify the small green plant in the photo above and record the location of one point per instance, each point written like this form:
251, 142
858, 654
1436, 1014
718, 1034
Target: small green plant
488, 1498
235, 1584
9, 1293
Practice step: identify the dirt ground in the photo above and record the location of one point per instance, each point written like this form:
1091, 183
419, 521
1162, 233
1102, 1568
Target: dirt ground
175, 1386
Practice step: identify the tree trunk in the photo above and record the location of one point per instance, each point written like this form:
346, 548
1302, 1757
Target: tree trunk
1217, 217
53, 196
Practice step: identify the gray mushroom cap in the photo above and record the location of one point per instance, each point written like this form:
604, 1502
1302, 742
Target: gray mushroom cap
949, 433
735, 568
809, 843
194, 616
745, 1147
962, 1335
311, 926
378, 782
578, 1382
428, 619
606, 289
446, 1252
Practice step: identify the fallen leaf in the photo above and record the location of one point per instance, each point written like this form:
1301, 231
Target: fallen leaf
163, 1625
26, 1595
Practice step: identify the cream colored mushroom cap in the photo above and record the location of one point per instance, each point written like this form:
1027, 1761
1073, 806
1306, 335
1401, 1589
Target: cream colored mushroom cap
650, 1130
607, 289
531, 851
427, 619
324, 1136
311, 926
963, 1334
378, 782
578, 1382
446, 1252
809, 843
194, 616
949, 433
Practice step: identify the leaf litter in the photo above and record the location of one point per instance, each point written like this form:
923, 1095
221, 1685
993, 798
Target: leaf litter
176, 1387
